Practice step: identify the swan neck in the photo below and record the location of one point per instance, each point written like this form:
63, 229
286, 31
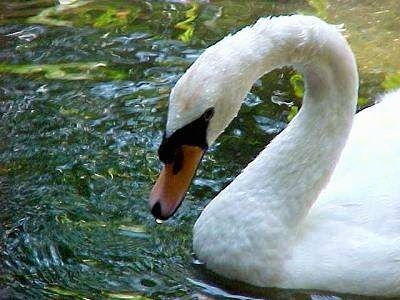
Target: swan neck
287, 177
268, 201
291, 172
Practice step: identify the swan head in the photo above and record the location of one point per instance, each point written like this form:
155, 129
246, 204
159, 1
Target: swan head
181, 153
201, 105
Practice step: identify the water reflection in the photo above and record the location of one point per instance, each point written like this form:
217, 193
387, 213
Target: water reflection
84, 92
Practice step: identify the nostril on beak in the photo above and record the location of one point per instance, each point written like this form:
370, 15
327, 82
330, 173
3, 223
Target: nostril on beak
156, 211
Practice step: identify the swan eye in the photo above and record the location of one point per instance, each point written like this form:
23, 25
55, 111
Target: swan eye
209, 113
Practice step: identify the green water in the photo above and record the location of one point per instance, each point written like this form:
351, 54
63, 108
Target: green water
83, 99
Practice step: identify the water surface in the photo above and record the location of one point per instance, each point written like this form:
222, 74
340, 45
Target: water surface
83, 98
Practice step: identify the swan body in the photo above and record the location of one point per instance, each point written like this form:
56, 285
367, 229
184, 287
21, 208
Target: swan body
319, 208
350, 240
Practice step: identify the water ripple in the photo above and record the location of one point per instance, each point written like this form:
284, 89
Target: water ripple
28, 34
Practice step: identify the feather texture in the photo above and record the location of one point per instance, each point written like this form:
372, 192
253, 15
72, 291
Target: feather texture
303, 214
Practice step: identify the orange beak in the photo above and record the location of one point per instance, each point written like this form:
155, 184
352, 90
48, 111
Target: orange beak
171, 187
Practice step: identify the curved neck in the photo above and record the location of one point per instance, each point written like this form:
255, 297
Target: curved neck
289, 174
264, 205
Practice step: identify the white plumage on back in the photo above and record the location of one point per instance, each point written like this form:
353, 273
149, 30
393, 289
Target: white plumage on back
300, 215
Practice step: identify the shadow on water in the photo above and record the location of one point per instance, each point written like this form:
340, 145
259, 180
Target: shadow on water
83, 98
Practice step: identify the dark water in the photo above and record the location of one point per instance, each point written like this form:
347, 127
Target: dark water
83, 100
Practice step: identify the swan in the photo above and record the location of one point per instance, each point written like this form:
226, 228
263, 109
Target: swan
319, 207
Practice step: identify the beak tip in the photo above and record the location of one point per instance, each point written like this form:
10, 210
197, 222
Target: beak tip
156, 211
170, 188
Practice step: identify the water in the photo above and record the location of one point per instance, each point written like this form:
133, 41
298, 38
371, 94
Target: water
83, 91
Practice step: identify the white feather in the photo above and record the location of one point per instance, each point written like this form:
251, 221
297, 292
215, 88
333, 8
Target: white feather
300, 215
